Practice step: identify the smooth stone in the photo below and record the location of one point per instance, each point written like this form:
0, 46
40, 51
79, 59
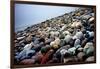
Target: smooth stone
80, 49
55, 42
27, 62
71, 30
62, 42
45, 49
91, 34
81, 56
89, 49
90, 59
20, 38
67, 38
61, 36
29, 38
91, 20
47, 56
66, 33
63, 51
85, 17
77, 42
70, 59
36, 42
78, 35
72, 50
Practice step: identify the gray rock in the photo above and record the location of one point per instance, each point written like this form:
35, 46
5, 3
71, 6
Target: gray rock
90, 59
67, 38
89, 49
77, 42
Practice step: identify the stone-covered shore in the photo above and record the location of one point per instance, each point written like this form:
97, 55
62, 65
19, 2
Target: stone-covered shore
63, 39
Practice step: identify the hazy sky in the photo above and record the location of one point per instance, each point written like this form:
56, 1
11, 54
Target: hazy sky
26, 14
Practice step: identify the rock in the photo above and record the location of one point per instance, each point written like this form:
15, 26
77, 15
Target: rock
45, 49
38, 57
89, 49
47, 56
54, 34
85, 17
63, 51
28, 46
29, 38
91, 20
56, 42
90, 59
62, 42
80, 49
78, 35
67, 38
71, 30
70, 59
76, 25
63, 28
27, 62
72, 50
91, 34
84, 42
48, 41
20, 38
66, 33
25, 54
77, 42
81, 56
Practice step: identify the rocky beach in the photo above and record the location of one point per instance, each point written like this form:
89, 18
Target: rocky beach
63, 39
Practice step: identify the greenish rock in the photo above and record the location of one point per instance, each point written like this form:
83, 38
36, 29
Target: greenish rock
89, 49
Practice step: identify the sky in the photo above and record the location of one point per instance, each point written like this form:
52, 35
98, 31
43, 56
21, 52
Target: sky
27, 15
